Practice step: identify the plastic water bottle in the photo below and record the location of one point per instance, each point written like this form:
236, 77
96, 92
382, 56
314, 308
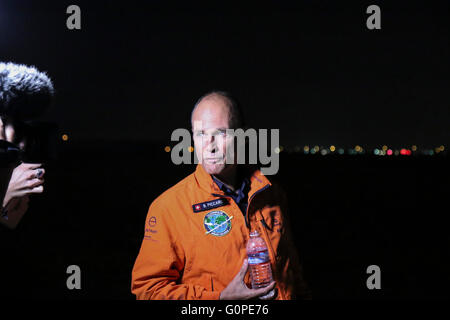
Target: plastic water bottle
259, 262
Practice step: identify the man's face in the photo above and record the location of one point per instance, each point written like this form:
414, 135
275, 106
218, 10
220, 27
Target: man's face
9, 132
210, 121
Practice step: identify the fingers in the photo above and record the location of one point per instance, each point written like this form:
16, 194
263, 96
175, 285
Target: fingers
31, 166
270, 295
30, 173
28, 169
253, 293
243, 270
31, 184
40, 173
38, 189
237, 289
263, 291
34, 190
36, 173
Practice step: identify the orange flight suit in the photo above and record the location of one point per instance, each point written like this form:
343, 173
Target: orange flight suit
185, 256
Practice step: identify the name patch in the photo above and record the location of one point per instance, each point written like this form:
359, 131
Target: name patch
199, 207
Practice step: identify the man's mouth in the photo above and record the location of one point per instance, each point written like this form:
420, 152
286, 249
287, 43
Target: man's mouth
213, 160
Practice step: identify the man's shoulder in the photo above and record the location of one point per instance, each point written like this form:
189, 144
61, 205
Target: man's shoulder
177, 193
276, 190
276, 184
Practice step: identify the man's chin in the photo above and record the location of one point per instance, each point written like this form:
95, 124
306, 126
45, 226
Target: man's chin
215, 168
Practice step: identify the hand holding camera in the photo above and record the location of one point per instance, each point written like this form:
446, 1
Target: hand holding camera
26, 179
25, 94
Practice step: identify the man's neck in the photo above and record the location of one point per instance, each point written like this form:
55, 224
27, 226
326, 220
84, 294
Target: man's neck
229, 177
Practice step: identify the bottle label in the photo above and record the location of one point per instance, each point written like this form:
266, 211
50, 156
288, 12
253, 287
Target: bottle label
258, 257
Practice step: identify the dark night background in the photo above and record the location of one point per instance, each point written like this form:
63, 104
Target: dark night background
131, 75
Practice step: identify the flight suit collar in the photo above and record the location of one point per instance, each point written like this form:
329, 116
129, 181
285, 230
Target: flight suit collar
257, 180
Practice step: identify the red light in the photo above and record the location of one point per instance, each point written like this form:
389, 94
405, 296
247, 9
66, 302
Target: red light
408, 152
389, 152
403, 152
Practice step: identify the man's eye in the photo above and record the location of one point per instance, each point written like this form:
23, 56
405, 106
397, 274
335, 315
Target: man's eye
199, 134
221, 132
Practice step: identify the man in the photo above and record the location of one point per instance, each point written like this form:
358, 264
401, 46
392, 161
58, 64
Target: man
25, 94
17, 181
186, 253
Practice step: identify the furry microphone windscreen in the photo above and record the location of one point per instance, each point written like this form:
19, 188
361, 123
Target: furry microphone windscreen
25, 92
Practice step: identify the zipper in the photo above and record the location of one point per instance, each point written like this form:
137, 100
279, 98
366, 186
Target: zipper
248, 204
265, 224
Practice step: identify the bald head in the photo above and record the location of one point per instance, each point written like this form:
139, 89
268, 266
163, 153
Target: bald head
221, 105
213, 115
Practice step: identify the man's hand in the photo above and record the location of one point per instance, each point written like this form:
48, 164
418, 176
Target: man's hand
238, 290
27, 178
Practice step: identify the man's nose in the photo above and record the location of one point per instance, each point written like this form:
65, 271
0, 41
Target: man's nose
210, 143
209, 139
